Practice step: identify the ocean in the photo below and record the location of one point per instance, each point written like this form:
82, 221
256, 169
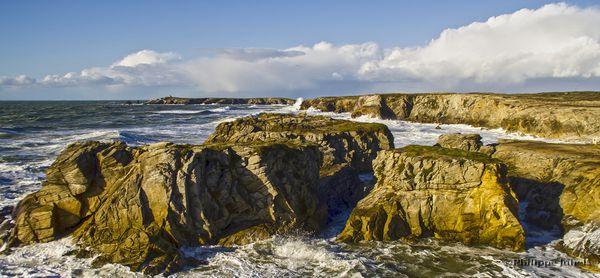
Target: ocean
32, 134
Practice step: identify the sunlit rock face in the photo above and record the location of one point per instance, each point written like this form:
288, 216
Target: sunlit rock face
138, 206
551, 115
348, 148
437, 192
560, 183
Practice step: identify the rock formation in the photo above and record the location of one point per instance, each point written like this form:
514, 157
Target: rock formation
138, 206
560, 184
348, 148
342, 142
556, 183
212, 100
437, 192
552, 115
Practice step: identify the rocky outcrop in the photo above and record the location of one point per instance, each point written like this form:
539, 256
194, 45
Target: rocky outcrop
560, 186
467, 142
342, 142
552, 115
569, 174
348, 148
138, 206
212, 100
438, 192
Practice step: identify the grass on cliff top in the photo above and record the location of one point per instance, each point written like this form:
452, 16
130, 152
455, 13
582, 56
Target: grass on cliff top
310, 124
434, 151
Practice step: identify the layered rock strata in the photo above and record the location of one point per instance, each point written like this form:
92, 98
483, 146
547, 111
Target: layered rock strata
341, 142
551, 115
139, 206
348, 148
558, 186
437, 192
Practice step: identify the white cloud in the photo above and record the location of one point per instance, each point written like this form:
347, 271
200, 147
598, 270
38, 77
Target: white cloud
555, 44
146, 57
21, 80
555, 41
305, 69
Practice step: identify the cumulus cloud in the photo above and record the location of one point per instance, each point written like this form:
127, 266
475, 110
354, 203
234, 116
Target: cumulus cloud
555, 41
306, 68
553, 44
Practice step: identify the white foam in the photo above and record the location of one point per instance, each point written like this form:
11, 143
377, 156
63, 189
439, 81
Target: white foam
220, 109
179, 112
55, 259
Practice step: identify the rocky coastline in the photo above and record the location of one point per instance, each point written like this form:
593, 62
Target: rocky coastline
272, 174
213, 100
566, 116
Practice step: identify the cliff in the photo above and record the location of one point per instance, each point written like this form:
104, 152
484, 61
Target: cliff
341, 141
212, 100
437, 192
560, 183
571, 116
348, 148
138, 206
557, 184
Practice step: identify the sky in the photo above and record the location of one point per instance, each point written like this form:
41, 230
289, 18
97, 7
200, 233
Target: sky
52, 50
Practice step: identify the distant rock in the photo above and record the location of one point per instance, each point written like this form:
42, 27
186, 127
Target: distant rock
552, 115
255, 101
436, 192
138, 206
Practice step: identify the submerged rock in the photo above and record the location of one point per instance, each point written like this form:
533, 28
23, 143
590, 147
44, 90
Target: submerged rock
436, 192
139, 206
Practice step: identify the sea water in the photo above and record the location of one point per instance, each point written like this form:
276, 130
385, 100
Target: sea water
32, 134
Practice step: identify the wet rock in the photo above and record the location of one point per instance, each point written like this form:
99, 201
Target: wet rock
138, 206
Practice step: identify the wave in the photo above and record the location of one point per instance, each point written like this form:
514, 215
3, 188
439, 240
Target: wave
220, 109
135, 139
182, 112
8, 133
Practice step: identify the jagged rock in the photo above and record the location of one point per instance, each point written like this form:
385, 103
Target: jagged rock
138, 206
373, 106
340, 188
553, 115
467, 142
341, 141
560, 184
256, 101
348, 148
431, 191
584, 242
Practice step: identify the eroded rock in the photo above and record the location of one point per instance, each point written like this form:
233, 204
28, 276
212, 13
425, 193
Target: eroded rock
342, 142
437, 192
138, 206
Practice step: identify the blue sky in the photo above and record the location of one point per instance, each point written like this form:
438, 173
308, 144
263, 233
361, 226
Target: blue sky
54, 38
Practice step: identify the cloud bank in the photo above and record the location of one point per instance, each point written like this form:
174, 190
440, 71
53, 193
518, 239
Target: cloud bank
556, 44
